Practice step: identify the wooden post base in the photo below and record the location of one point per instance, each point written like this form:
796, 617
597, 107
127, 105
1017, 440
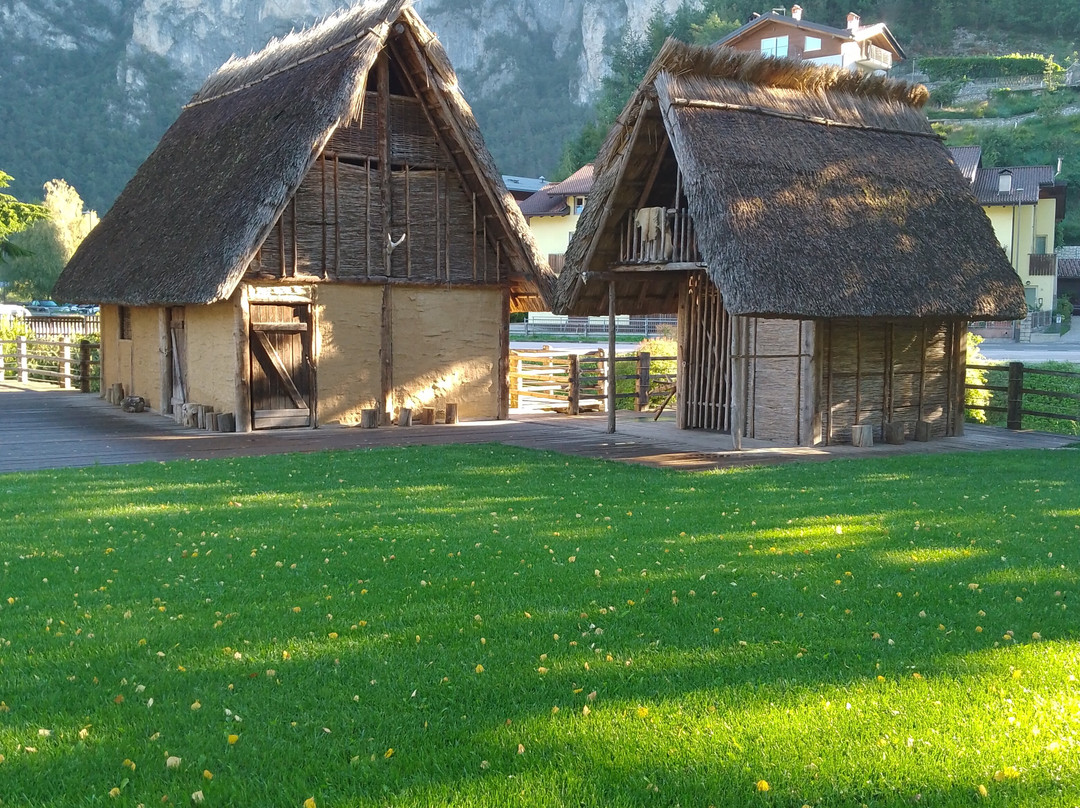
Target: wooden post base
922, 431
451, 413
862, 435
893, 433
427, 416
369, 418
404, 417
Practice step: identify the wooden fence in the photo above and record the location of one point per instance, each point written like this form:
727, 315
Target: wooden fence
574, 383
1017, 385
67, 363
59, 326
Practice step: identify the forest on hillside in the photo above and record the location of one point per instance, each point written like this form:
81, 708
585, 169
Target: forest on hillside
67, 114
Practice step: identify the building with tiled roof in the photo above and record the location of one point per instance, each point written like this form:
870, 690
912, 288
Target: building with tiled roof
1024, 203
552, 212
863, 48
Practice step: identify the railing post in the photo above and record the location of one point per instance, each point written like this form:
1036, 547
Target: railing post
1015, 395
21, 359
644, 367
573, 395
84, 366
65, 364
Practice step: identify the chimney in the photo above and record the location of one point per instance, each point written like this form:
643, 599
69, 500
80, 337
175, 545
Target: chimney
796, 13
852, 21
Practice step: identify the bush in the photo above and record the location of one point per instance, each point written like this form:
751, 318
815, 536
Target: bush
10, 328
660, 346
954, 68
945, 93
976, 398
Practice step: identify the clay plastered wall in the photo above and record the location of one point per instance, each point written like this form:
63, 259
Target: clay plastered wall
210, 373
446, 349
347, 349
143, 357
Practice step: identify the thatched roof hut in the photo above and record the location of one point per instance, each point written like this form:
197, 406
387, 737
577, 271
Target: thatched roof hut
814, 193
189, 223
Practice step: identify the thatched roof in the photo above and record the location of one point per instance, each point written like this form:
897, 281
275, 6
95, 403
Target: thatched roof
815, 192
185, 228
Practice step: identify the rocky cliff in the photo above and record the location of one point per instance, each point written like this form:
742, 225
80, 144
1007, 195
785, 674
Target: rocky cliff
110, 75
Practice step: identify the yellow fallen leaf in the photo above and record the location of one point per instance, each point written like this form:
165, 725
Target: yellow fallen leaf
521, 749
763, 785
479, 668
207, 774
172, 762
114, 792
389, 753
309, 802
233, 739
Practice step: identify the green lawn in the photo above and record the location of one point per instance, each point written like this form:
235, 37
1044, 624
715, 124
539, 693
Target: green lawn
491, 626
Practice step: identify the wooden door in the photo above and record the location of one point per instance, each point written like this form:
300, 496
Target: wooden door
178, 354
282, 374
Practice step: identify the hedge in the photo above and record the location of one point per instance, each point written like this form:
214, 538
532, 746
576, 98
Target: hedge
946, 68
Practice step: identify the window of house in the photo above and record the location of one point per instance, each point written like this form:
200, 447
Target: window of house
1004, 182
125, 322
1040, 245
774, 46
578, 203
813, 43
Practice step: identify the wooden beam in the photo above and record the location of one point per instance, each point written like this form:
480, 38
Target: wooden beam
164, 362
503, 410
611, 358
386, 357
382, 68
337, 223
242, 362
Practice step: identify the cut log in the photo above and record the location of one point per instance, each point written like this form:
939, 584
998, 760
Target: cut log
226, 422
862, 435
404, 417
212, 422
369, 418
451, 413
893, 432
428, 416
922, 431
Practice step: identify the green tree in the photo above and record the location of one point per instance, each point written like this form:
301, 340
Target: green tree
48, 243
15, 216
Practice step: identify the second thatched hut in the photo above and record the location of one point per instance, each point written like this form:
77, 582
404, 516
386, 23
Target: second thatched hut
812, 233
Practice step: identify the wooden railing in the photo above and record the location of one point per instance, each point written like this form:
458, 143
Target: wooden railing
60, 326
658, 236
876, 55
1017, 386
1042, 264
574, 383
66, 363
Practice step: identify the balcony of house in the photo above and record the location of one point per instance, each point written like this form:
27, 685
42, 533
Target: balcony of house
659, 238
871, 57
1042, 264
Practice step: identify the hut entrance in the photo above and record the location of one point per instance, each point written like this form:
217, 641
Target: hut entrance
704, 334
282, 374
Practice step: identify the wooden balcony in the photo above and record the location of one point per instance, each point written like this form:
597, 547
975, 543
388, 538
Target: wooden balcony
658, 235
874, 57
1042, 264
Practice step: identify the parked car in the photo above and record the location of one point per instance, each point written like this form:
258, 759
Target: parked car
13, 310
43, 307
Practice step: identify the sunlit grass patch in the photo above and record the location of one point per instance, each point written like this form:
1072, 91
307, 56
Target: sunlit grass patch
490, 626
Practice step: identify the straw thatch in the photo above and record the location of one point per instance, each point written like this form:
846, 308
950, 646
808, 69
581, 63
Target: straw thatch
815, 192
186, 227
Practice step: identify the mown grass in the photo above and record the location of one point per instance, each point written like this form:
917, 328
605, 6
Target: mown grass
489, 626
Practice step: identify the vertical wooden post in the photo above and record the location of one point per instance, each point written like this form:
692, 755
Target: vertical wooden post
611, 357
242, 361
84, 366
960, 352
504, 356
65, 365
573, 395
164, 362
383, 77
738, 380
1015, 400
386, 357
644, 368
808, 383
682, 357
21, 360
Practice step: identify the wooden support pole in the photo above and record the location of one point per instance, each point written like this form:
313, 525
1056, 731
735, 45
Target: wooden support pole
1015, 396
337, 222
408, 226
386, 357
65, 364
960, 358
84, 366
738, 380
611, 358
503, 380
242, 362
573, 396
644, 368
322, 176
164, 362
21, 361
383, 106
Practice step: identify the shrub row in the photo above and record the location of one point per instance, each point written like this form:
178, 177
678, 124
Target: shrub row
946, 68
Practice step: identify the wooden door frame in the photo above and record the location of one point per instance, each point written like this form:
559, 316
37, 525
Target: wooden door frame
256, 337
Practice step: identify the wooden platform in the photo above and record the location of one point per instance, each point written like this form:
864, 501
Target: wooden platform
42, 428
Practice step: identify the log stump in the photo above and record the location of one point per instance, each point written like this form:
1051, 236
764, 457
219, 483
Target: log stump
451, 413
862, 435
922, 431
404, 417
893, 433
427, 416
369, 418
226, 422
